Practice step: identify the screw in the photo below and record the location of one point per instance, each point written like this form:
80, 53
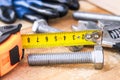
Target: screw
42, 26
95, 16
96, 57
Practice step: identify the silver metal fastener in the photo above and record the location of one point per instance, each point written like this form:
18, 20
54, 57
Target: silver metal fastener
94, 16
43, 27
96, 57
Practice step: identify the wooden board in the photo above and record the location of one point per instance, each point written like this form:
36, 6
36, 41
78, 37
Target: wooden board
110, 5
23, 71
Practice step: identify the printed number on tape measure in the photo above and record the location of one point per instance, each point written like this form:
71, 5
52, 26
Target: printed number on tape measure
57, 39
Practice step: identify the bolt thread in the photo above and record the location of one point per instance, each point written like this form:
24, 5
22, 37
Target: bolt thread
66, 58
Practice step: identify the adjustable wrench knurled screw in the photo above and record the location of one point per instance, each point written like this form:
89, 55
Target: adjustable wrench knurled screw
96, 57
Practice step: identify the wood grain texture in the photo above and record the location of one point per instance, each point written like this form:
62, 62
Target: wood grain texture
110, 5
23, 71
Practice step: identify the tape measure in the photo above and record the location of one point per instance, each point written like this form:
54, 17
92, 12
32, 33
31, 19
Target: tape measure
10, 48
86, 37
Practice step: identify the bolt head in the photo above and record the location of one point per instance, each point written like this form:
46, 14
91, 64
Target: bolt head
37, 24
98, 57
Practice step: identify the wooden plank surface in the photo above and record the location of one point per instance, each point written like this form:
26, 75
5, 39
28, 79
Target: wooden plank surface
23, 71
110, 5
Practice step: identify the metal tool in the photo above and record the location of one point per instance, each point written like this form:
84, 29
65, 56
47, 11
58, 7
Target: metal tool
111, 31
94, 16
95, 57
85, 25
109, 24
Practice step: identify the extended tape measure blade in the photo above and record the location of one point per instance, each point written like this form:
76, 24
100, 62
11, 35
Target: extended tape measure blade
57, 39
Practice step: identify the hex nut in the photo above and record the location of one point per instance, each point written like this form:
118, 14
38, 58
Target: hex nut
98, 57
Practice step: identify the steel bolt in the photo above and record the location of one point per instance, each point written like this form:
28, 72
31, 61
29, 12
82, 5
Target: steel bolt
42, 26
95, 16
96, 57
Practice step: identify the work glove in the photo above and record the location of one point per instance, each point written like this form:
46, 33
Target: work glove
7, 13
33, 10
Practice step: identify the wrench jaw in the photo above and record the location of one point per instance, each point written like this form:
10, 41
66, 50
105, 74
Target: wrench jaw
111, 33
107, 41
85, 25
